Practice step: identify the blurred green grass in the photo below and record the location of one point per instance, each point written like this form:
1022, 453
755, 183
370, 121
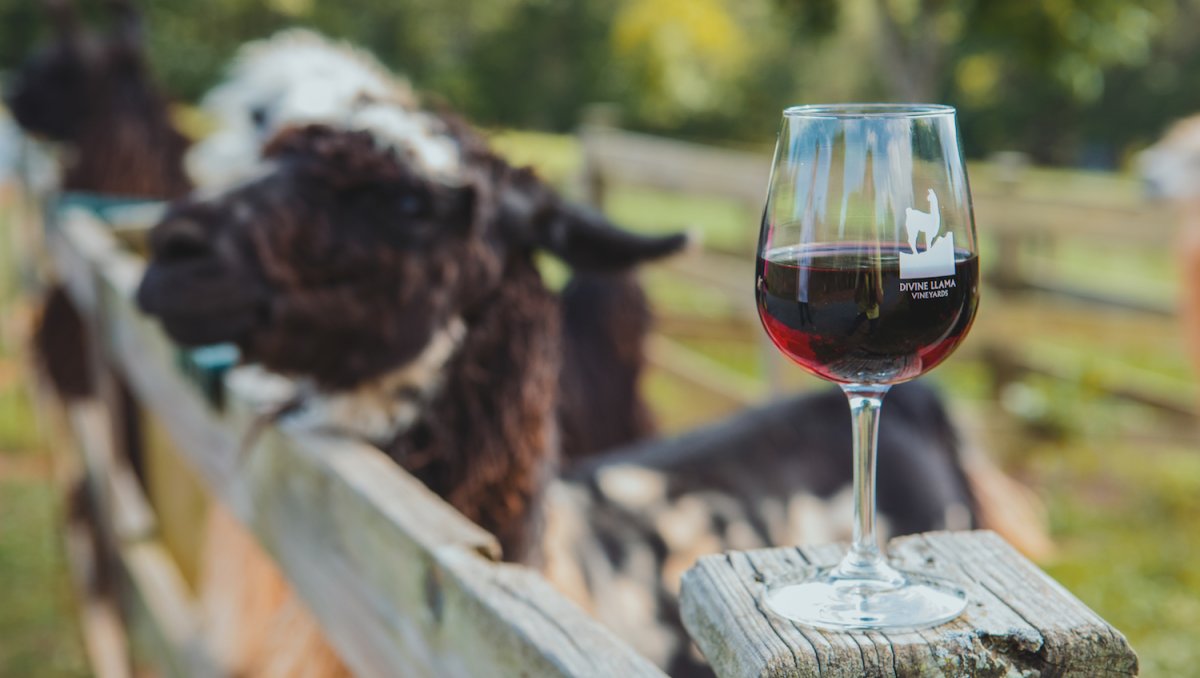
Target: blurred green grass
38, 632
39, 635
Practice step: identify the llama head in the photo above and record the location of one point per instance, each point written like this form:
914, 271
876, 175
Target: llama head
1170, 169
344, 261
60, 87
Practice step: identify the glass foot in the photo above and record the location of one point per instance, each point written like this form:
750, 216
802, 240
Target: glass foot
840, 603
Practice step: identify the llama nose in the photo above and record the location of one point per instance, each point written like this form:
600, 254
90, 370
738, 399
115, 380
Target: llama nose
180, 239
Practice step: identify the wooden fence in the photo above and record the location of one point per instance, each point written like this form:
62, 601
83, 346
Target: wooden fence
1019, 213
398, 580
400, 583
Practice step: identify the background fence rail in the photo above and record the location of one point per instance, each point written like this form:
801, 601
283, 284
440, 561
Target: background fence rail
1025, 219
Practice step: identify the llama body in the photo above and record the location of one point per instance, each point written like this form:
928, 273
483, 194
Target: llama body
1170, 170
918, 223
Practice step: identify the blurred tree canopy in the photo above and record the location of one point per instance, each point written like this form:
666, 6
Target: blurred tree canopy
1069, 81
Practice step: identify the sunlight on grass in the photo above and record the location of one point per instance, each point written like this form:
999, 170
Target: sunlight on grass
556, 157
38, 635
724, 224
18, 434
1128, 543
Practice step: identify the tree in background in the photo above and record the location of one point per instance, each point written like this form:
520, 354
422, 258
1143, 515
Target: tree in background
1069, 81
1031, 76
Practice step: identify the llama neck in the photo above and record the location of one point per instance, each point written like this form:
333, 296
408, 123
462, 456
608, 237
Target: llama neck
487, 441
385, 408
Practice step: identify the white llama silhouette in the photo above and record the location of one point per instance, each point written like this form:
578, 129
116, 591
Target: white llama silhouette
917, 222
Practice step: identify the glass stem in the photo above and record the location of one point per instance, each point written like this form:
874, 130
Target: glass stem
865, 560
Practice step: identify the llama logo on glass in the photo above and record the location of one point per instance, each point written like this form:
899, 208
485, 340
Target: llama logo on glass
938, 257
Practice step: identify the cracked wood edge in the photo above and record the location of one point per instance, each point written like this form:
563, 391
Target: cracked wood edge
1019, 621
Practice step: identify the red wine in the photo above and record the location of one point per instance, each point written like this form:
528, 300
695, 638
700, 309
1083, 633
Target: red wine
842, 311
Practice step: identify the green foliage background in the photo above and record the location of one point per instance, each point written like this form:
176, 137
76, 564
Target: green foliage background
1069, 81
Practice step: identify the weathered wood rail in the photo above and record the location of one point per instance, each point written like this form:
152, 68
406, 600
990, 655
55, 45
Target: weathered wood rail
1019, 622
400, 582
1017, 217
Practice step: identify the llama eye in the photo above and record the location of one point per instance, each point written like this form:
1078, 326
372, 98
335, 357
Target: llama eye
258, 115
412, 205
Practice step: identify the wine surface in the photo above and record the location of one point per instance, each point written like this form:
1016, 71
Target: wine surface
843, 312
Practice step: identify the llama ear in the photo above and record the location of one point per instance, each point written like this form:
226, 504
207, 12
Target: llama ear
534, 216
586, 240
127, 25
62, 14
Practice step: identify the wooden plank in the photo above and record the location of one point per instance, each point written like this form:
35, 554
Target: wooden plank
112, 485
104, 637
668, 164
153, 595
163, 617
673, 165
1010, 283
703, 372
179, 498
374, 565
1176, 397
1153, 225
1019, 621
399, 581
79, 240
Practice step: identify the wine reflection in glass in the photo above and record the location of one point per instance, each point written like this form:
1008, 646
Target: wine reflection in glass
867, 276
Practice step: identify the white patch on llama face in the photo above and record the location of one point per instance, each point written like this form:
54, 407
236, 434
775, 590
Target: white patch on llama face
386, 407
1171, 168
412, 134
298, 77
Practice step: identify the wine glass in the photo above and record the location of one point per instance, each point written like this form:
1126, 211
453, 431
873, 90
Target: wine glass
867, 276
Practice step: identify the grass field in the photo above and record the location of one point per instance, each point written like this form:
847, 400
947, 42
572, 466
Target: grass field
38, 633
1121, 483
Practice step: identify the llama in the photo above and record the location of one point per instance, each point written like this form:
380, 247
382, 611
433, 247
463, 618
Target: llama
92, 93
412, 311
1169, 172
918, 223
298, 77
1169, 168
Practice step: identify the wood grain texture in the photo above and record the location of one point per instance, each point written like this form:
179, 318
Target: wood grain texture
1019, 621
104, 637
671, 165
630, 158
400, 582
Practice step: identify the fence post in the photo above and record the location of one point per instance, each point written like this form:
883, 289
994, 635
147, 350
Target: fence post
1019, 621
1006, 266
594, 119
